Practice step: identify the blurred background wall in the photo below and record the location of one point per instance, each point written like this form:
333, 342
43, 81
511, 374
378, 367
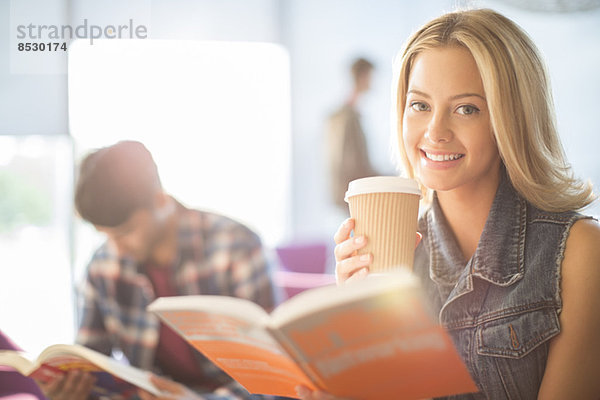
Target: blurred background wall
44, 249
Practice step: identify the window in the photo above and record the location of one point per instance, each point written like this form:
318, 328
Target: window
215, 115
35, 218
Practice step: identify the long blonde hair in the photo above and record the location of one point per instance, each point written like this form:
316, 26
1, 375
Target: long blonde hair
519, 98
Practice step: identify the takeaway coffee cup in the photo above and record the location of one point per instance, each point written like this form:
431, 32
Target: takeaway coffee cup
385, 209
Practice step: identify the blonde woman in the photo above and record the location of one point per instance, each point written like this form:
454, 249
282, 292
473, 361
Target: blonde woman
512, 267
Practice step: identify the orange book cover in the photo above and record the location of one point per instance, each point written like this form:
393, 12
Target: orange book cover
372, 340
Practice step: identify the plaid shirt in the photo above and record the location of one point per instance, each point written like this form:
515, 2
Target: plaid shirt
216, 256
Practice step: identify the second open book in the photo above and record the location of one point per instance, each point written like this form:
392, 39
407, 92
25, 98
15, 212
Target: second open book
111, 379
373, 339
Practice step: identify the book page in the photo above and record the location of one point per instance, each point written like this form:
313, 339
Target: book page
226, 305
314, 300
18, 360
239, 346
112, 378
382, 346
106, 385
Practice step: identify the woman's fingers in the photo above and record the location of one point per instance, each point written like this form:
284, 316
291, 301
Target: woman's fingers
348, 262
142, 394
358, 275
305, 393
348, 247
355, 265
170, 390
343, 231
167, 385
344, 269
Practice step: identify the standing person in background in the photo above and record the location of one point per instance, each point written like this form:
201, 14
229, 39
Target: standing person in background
156, 247
506, 259
347, 149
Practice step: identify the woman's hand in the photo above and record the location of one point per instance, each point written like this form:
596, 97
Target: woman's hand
348, 264
305, 393
170, 390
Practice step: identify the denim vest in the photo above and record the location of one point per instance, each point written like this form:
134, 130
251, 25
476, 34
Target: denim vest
500, 307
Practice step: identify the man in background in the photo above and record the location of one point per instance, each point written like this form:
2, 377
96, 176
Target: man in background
156, 247
347, 150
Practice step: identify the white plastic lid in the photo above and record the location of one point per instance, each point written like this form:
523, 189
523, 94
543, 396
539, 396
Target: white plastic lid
382, 184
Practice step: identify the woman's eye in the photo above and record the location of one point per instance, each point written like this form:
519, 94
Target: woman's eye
418, 106
467, 110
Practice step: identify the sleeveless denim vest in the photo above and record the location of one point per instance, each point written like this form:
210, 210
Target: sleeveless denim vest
500, 307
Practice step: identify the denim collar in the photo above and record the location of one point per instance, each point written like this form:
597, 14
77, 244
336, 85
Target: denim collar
499, 257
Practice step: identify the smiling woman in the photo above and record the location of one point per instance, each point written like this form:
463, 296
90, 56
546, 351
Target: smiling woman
472, 85
509, 264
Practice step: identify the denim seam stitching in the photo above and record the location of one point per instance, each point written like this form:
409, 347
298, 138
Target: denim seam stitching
522, 235
504, 313
502, 379
561, 255
524, 347
549, 221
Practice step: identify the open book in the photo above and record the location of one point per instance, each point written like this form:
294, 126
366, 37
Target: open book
374, 339
113, 379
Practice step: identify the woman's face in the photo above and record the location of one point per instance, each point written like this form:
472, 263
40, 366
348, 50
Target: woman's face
446, 126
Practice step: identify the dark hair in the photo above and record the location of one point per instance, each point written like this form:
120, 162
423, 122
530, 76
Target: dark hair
359, 67
114, 182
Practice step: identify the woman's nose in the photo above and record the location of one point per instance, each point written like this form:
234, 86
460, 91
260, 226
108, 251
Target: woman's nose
438, 130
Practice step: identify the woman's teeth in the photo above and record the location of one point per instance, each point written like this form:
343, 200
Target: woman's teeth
443, 157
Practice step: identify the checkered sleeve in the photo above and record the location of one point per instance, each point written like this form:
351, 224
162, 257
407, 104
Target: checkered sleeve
250, 277
91, 332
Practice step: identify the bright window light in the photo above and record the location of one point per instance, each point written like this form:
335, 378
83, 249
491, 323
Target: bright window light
215, 115
36, 292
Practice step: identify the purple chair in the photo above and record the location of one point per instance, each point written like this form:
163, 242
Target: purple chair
308, 257
13, 385
303, 266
